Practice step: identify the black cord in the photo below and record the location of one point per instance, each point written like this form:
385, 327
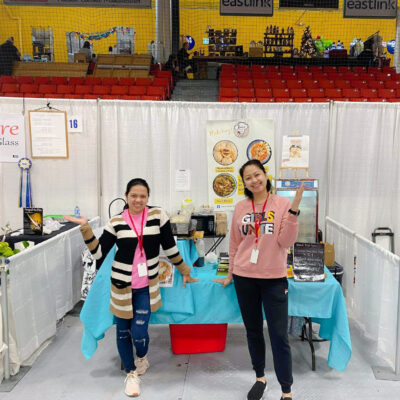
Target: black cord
109, 207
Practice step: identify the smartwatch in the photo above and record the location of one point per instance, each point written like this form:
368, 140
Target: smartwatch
294, 212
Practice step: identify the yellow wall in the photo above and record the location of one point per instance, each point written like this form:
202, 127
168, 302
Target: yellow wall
79, 19
195, 16
329, 24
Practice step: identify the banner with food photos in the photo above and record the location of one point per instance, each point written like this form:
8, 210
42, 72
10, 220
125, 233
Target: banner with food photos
231, 143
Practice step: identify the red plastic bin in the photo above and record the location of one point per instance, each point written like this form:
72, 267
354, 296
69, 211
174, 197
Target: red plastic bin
197, 338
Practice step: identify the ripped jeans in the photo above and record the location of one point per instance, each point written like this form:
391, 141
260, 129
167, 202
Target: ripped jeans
134, 330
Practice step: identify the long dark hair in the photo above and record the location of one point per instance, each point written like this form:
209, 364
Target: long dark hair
136, 182
258, 164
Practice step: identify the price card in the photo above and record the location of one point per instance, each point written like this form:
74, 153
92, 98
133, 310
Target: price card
75, 124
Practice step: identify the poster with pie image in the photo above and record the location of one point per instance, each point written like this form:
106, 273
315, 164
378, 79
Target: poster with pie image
230, 143
166, 271
295, 151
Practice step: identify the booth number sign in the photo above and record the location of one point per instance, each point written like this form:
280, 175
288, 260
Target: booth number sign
75, 124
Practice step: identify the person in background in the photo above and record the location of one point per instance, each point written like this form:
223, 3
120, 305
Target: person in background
263, 226
185, 65
8, 54
87, 51
172, 65
138, 233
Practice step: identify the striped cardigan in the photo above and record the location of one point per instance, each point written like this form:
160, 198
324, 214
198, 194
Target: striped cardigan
156, 232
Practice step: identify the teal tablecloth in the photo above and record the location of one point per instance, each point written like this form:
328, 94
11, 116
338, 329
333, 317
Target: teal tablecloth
206, 302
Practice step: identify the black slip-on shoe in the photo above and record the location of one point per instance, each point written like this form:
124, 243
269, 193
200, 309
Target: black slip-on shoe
257, 391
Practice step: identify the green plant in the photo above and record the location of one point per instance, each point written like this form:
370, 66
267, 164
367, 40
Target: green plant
6, 250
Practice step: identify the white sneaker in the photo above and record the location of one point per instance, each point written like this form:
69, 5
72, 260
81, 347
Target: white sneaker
132, 384
141, 365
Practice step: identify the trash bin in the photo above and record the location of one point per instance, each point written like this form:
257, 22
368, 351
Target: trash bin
337, 272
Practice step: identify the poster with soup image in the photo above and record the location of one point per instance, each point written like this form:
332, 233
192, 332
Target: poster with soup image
231, 143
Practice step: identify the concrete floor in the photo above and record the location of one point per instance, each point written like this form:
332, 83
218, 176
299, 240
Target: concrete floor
62, 373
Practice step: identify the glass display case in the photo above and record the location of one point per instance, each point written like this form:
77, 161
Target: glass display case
308, 218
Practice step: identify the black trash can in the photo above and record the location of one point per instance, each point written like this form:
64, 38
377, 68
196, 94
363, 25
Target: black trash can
337, 272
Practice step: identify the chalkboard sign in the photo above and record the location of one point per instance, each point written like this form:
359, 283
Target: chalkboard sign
308, 262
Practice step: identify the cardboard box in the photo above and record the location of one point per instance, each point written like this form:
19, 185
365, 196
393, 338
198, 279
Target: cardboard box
256, 52
329, 255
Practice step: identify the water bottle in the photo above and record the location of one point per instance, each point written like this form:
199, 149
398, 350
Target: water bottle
77, 213
201, 250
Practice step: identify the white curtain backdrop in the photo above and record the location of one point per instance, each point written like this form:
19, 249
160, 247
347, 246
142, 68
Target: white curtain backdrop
58, 185
364, 184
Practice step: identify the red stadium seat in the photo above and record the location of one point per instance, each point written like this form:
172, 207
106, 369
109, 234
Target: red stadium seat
351, 93
342, 84
158, 91
316, 92
53, 96
277, 84
247, 100
118, 91
41, 80
280, 93
310, 84
83, 89
333, 93
131, 81
392, 84
261, 83
387, 93
75, 80
33, 95
92, 80
358, 84
130, 97
47, 89
326, 84
144, 81
246, 92
228, 99
374, 70
137, 90
58, 80
302, 100
266, 93
228, 92
298, 93
65, 89
150, 98
265, 100
304, 75
228, 83
283, 99
245, 83
28, 88
7, 79
24, 79
294, 84
376, 84
320, 100
109, 81
368, 93
100, 90
359, 69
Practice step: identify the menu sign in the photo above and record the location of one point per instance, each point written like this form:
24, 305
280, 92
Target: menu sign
230, 144
308, 262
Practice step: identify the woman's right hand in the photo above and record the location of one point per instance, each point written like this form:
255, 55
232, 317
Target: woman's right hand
224, 281
80, 221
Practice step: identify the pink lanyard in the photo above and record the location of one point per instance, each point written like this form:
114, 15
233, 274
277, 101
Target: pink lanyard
257, 221
140, 237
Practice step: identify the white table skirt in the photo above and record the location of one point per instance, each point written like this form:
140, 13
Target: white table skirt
44, 284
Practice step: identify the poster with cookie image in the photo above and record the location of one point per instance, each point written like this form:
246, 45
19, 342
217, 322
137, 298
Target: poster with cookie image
295, 151
166, 272
230, 143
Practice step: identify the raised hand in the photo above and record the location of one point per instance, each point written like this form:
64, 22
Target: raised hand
79, 221
297, 198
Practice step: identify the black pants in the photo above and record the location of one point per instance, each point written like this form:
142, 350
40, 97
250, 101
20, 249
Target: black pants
253, 294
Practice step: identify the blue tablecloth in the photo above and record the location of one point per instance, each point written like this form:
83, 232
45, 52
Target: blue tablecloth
206, 302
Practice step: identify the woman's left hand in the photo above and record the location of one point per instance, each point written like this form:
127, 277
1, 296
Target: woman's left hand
297, 198
188, 279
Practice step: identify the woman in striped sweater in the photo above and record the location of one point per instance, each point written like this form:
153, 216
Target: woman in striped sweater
138, 233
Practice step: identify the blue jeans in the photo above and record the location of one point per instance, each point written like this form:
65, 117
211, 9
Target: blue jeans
134, 330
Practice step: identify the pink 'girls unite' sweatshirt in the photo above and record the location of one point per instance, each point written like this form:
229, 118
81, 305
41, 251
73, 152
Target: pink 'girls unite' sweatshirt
278, 231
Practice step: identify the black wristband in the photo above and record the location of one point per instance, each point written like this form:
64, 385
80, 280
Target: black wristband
294, 212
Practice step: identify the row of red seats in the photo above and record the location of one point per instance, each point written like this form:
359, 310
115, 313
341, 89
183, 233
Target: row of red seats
311, 68
308, 83
366, 76
310, 93
96, 91
301, 100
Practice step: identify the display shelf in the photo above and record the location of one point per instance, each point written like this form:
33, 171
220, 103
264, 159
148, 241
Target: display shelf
221, 42
278, 42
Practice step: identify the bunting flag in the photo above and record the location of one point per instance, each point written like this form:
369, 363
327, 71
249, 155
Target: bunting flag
25, 164
101, 35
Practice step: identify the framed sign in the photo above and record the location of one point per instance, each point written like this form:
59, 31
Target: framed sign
48, 134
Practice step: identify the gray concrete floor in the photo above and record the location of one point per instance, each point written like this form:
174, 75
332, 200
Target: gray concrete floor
62, 373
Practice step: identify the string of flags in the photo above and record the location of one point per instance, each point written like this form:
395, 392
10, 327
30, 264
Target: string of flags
102, 35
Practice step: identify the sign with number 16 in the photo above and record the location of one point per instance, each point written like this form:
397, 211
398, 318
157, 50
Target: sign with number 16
75, 124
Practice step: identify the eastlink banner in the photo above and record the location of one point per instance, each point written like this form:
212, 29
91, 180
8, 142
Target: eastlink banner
370, 9
247, 7
83, 3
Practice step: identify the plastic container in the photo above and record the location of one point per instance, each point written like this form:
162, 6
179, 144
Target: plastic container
197, 338
337, 272
77, 213
201, 250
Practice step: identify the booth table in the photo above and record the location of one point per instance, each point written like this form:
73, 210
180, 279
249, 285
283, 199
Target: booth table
206, 302
44, 284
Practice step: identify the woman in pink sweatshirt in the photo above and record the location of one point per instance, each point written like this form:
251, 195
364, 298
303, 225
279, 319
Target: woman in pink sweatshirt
263, 226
